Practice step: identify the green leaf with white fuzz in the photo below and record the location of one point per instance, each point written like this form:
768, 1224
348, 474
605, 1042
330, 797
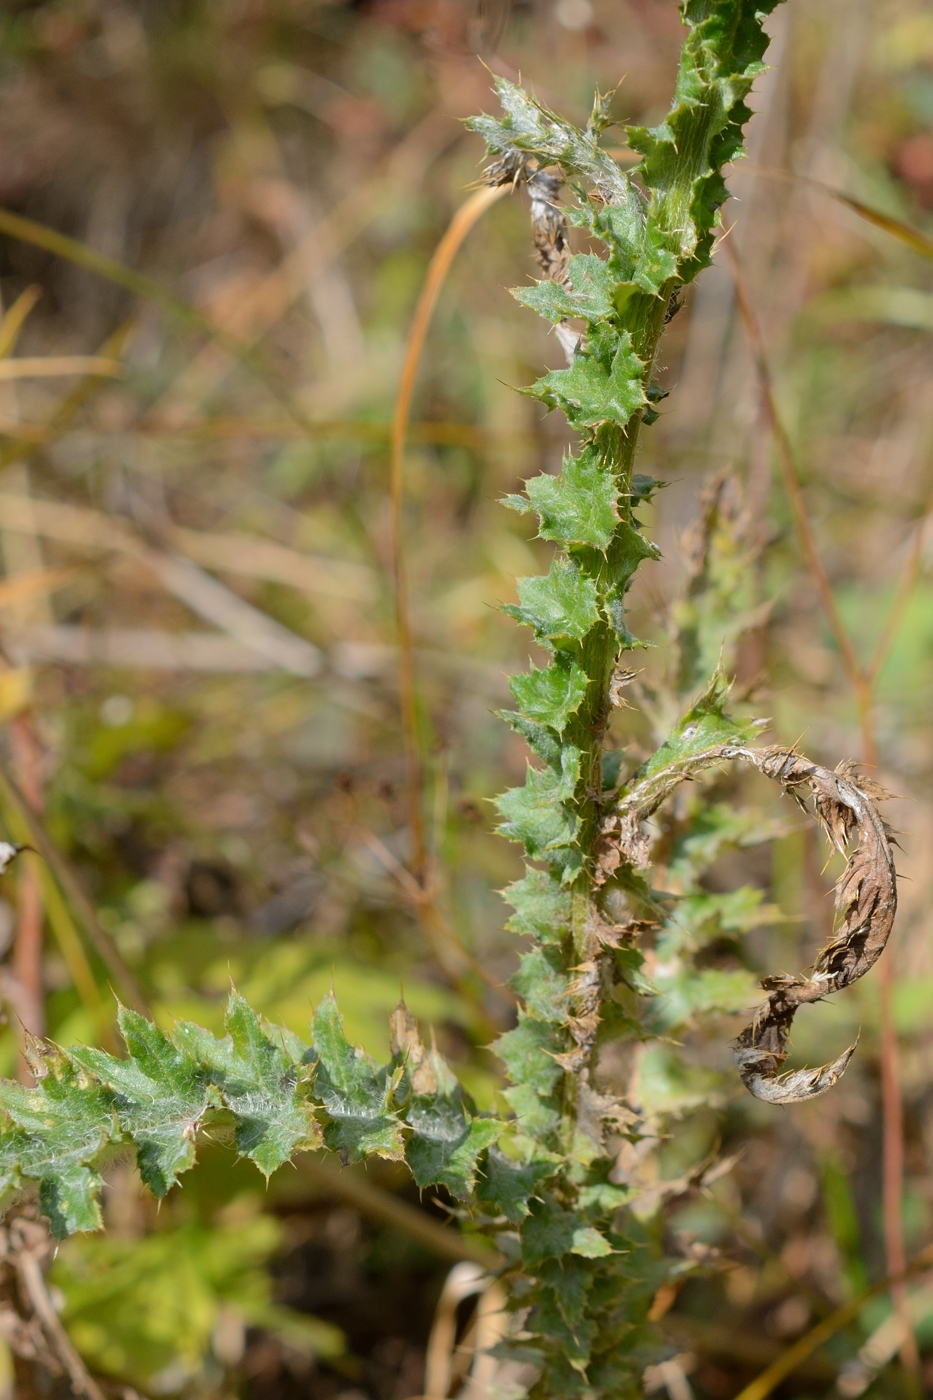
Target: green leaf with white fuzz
542, 907
536, 814
553, 694
577, 507
161, 1094
588, 294
260, 1083
561, 607
593, 391
528, 1053
543, 985
60, 1126
356, 1093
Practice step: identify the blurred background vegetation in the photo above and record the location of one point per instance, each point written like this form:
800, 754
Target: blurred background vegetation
199, 691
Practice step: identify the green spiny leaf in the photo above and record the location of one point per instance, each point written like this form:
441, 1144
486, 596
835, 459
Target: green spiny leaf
588, 294
530, 126
260, 1084
536, 1115
542, 907
560, 607
528, 1053
540, 738
61, 1125
536, 814
160, 1096
446, 1145
589, 1243
553, 694
508, 1186
542, 984
593, 390
547, 1233
571, 1282
577, 507
705, 725
356, 1093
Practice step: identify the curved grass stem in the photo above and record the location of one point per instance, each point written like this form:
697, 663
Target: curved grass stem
464, 219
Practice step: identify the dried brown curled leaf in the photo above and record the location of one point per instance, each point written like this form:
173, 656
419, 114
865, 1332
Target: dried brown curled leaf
550, 230
843, 802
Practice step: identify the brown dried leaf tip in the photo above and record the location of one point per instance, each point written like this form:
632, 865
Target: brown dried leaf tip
866, 902
843, 802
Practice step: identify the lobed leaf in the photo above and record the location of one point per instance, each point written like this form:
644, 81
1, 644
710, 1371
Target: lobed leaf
356, 1093
596, 390
508, 1186
553, 694
543, 985
528, 1053
260, 1084
542, 907
160, 1095
578, 507
589, 292
561, 607
60, 1126
536, 814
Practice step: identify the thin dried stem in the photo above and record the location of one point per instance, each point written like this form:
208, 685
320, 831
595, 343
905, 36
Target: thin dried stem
769, 1380
906, 584
445, 947
464, 219
790, 473
862, 681
27, 951
70, 884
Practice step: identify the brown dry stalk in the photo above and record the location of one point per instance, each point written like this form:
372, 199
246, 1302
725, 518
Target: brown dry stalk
843, 802
444, 254
862, 681
769, 1380
29, 1322
27, 949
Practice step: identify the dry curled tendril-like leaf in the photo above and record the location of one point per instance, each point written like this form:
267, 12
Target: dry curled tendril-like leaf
843, 802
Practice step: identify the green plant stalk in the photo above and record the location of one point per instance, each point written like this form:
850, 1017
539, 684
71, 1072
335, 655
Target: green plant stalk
583, 1268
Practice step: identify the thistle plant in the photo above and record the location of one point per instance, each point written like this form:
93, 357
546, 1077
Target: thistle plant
544, 1182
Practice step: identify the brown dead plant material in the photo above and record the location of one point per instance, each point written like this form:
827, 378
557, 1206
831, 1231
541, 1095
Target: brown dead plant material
843, 802
29, 1322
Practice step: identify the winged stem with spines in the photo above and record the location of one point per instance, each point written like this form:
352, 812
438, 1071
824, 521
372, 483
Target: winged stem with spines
583, 1269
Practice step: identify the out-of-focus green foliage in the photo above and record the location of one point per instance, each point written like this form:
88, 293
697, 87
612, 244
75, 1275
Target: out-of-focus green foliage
157, 1311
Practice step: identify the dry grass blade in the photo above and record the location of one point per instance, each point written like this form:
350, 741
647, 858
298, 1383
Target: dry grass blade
463, 1281
464, 219
862, 681
140, 648
914, 238
29, 438
14, 319
58, 366
203, 594
12, 798
790, 475
36, 583
28, 231
769, 1380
